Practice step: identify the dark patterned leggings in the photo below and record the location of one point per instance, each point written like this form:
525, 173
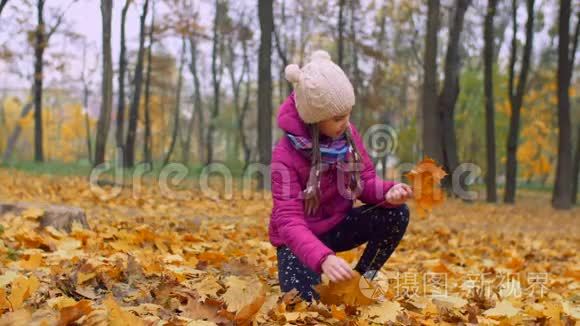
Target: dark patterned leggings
381, 228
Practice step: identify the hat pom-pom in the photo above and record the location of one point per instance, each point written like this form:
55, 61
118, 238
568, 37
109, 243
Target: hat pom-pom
320, 55
292, 73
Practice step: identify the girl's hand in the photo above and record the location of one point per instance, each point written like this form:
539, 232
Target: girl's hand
337, 269
399, 194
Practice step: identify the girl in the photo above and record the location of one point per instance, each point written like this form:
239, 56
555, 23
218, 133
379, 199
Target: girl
318, 169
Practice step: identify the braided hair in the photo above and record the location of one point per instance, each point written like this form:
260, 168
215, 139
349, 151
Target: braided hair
312, 191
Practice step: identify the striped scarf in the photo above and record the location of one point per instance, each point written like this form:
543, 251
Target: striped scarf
332, 151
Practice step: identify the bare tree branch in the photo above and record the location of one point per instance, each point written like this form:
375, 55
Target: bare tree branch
279, 46
2, 4
59, 21
575, 41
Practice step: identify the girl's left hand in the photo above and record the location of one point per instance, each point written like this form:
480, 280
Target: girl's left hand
399, 194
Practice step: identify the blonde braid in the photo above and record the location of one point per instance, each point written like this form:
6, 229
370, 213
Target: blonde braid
311, 193
355, 182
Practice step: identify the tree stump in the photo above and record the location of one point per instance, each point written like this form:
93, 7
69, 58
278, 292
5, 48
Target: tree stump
58, 216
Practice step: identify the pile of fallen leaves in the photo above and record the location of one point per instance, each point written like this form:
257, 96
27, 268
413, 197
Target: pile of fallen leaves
152, 260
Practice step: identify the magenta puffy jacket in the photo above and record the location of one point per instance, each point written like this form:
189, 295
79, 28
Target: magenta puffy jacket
290, 170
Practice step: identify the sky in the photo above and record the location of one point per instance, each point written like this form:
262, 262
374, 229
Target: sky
84, 17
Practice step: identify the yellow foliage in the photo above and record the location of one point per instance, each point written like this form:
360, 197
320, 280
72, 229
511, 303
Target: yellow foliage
64, 130
205, 259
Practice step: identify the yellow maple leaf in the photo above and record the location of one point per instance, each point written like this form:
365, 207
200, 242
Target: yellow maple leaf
33, 262
208, 287
71, 313
118, 316
4, 304
337, 313
425, 180
22, 289
83, 277
502, 309
241, 293
384, 312
357, 291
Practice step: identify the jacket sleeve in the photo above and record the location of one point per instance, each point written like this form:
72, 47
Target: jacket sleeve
374, 188
288, 218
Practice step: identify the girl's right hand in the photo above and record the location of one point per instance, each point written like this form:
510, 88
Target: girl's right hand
337, 269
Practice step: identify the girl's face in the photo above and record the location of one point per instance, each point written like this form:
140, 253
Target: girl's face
335, 126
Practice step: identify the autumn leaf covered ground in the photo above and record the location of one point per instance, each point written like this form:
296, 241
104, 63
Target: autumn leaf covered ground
149, 259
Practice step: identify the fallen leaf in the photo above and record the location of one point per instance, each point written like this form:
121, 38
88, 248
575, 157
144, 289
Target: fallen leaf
72, 313
33, 262
118, 316
337, 313
21, 317
7, 278
502, 309
246, 314
453, 301
212, 257
22, 289
61, 302
516, 263
4, 304
552, 311
299, 315
573, 272
83, 277
244, 297
357, 291
425, 181
384, 312
571, 310
208, 287
194, 309
201, 323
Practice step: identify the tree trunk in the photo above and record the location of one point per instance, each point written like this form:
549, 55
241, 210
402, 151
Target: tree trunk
236, 82
177, 103
216, 78
359, 117
576, 164
86, 93
562, 194
488, 51
576, 169
197, 109
245, 107
266, 17
432, 146
39, 47
340, 44
450, 92
13, 139
119, 133
138, 82
241, 108
107, 84
516, 98
201, 141
2, 4
282, 50
147, 142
